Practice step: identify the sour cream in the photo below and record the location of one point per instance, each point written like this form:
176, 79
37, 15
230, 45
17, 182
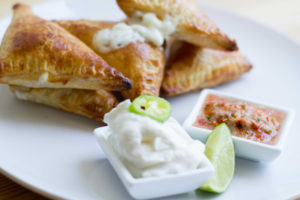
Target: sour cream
142, 27
151, 148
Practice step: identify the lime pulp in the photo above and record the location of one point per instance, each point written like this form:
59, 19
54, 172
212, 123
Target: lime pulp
219, 150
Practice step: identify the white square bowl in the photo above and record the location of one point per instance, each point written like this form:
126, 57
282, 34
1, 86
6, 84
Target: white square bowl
244, 148
152, 187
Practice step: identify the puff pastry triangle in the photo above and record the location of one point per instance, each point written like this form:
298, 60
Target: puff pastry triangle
193, 25
90, 103
192, 68
143, 63
38, 53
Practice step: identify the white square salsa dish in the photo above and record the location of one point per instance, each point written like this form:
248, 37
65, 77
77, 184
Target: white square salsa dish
153, 187
244, 148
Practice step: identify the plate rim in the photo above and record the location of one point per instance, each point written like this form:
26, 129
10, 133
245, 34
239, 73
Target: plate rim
30, 186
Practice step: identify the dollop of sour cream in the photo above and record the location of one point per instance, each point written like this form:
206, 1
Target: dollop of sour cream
140, 28
151, 148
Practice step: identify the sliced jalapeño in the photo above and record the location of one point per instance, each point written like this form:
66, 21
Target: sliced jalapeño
155, 107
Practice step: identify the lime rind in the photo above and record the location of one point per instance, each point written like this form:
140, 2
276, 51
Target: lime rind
220, 151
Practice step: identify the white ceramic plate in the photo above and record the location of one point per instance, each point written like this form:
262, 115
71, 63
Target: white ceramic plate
56, 154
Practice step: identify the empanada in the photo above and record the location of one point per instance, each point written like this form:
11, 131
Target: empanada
193, 25
38, 53
143, 63
192, 68
90, 103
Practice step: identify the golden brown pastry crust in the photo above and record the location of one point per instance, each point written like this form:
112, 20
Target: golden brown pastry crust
84, 29
141, 62
193, 24
192, 68
90, 103
39, 53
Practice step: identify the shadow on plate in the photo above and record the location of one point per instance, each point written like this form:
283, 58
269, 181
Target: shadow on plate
102, 180
248, 168
20, 112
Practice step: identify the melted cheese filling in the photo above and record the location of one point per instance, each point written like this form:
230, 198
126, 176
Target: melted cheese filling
21, 95
43, 78
141, 28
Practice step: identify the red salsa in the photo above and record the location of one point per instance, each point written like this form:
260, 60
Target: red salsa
246, 120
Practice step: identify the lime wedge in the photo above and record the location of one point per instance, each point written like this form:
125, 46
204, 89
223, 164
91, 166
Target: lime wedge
220, 151
155, 107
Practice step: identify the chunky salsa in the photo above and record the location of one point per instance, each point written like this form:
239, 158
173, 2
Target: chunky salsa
246, 120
